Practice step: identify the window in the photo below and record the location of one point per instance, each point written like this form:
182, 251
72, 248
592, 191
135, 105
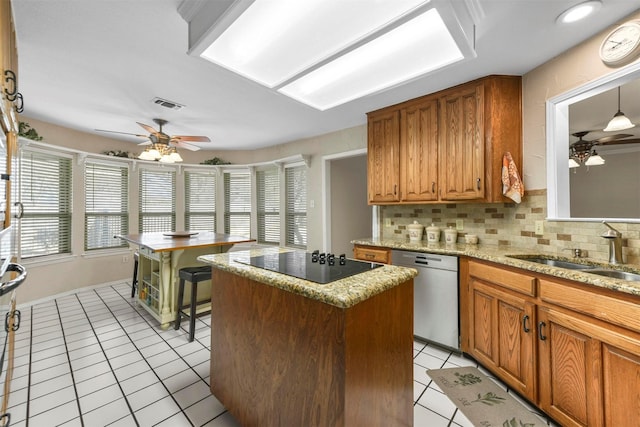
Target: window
200, 201
296, 206
45, 192
268, 186
106, 209
237, 203
157, 200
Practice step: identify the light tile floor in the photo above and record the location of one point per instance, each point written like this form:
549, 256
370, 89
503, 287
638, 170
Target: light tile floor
94, 358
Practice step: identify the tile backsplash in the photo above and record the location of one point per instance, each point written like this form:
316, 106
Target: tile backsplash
511, 224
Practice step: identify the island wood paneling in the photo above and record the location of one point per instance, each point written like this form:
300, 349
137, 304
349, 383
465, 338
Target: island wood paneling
278, 358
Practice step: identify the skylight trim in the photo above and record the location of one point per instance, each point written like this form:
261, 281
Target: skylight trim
293, 71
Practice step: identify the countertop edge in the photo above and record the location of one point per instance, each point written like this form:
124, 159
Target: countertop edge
342, 293
500, 255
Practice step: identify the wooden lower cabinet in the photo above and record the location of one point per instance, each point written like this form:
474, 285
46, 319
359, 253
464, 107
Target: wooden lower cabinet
502, 331
571, 349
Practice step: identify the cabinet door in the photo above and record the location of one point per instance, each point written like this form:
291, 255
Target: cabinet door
383, 157
621, 383
570, 369
461, 146
503, 335
419, 152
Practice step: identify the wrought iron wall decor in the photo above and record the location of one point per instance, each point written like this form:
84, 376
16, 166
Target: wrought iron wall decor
11, 92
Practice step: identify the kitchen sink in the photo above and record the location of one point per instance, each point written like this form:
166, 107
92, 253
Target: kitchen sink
591, 269
555, 262
616, 274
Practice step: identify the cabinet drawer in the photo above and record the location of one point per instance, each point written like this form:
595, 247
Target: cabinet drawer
373, 254
507, 279
622, 311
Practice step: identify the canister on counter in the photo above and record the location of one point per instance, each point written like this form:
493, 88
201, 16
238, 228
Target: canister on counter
433, 233
450, 235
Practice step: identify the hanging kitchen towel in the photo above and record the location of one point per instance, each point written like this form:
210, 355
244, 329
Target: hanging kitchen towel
512, 186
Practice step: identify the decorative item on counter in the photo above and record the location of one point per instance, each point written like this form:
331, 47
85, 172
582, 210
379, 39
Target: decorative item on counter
512, 186
450, 236
415, 231
471, 239
433, 233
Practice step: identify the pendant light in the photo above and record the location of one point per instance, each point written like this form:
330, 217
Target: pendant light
619, 120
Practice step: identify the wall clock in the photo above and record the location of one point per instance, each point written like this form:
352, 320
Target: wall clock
621, 45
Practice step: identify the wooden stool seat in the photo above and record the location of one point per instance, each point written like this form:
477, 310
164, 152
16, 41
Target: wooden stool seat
192, 275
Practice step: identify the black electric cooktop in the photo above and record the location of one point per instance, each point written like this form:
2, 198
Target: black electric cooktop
315, 267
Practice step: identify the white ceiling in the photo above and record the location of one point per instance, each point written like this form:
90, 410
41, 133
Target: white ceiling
98, 64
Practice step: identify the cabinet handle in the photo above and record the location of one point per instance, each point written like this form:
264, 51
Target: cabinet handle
525, 320
370, 256
540, 326
478, 182
395, 189
433, 187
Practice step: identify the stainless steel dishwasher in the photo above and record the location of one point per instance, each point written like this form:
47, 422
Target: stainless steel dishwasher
435, 296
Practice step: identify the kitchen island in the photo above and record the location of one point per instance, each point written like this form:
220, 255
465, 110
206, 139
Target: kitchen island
162, 255
287, 351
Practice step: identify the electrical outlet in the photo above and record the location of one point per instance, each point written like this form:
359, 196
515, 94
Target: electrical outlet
125, 259
387, 222
459, 224
539, 229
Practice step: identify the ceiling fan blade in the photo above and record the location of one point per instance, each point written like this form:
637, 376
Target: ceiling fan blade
620, 141
147, 128
145, 143
191, 138
180, 144
606, 139
123, 133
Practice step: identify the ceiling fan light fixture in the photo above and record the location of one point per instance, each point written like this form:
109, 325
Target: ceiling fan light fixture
594, 160
573, 163
579, 11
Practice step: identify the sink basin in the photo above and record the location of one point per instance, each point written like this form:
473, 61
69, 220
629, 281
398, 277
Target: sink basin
616, 274
556, 263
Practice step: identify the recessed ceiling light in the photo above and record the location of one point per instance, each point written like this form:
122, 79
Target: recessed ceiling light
579, 11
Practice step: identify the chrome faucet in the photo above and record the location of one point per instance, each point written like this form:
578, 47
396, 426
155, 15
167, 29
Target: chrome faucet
615, 244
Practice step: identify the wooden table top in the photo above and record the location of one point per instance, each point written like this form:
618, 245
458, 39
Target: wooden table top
161, 242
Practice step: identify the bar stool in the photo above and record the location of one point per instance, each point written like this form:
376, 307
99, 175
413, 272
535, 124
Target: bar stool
193, 275
134, 281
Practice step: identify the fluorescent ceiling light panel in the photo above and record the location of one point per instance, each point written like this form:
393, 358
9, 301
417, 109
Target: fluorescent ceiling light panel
414, 48
273, 41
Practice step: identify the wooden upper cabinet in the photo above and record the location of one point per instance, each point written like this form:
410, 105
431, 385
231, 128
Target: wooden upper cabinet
9, 62
383, 155
462, 144
450, 143
419, 152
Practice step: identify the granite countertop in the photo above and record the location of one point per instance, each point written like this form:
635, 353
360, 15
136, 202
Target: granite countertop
343, 293
501, 255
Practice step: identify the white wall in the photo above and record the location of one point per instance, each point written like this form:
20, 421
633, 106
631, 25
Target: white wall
351, 216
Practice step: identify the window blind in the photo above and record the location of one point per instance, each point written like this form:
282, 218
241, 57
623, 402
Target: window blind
106, 189
200, 201
237, 203
268, 189
296, 206
157, 200
45, 192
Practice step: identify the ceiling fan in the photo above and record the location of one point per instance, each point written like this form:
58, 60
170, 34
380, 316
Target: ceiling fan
583, 151
159, 137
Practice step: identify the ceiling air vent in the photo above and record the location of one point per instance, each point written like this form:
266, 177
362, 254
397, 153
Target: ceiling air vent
167, 104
